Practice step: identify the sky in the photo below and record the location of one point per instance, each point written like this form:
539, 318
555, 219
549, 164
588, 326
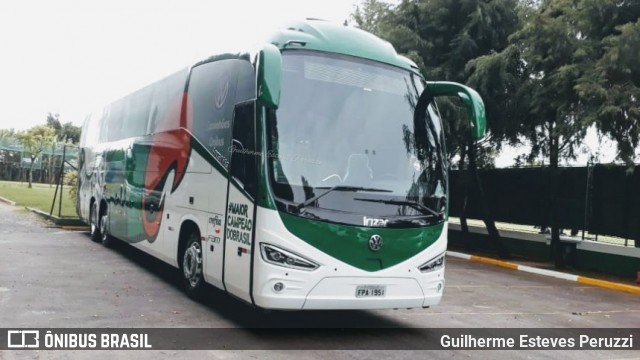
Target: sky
69, 57
72, 56
594, 147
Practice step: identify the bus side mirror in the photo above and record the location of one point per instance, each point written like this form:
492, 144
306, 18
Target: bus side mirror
469, 97
269, 76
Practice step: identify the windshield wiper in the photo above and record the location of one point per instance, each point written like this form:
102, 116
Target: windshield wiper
311, 200
413, 204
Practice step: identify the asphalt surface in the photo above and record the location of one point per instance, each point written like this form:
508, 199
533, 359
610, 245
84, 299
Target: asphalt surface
53, 278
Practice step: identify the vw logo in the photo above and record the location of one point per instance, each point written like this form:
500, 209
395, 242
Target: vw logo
375, 242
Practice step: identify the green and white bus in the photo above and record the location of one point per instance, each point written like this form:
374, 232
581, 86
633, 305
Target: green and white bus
309, 175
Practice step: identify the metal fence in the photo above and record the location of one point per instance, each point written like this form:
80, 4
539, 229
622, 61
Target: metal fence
600, 199
15, 162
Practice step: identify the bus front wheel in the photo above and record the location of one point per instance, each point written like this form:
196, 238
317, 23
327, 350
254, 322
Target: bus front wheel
192, 267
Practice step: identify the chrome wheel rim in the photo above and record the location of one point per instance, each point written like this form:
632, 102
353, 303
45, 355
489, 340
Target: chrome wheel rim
94, 220
103, 227
192, 264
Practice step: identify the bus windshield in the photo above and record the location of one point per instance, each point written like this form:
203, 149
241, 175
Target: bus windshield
343, 144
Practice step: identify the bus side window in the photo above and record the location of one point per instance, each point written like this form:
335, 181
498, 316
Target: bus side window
244, 155
103, 134
212, 88
116, 120
136, 122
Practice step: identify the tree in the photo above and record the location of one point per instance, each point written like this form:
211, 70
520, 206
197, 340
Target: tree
7, 142
7, 139
581, 69
53, 121
34, 142
6, 135
71, 180
66, 132
70, 133
370, 14
611, 87
551, 48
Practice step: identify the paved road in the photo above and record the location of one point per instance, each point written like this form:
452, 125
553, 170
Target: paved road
54, 278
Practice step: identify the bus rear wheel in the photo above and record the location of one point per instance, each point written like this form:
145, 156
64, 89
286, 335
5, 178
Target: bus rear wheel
105, 238
191, 267
94, 223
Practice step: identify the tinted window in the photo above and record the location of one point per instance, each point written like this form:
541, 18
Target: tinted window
166, 103
114, 123
136, 123
246, 82
345, 127
91, 129
212, 91
245, 155
117, 117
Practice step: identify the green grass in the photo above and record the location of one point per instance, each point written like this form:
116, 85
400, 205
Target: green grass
39, 197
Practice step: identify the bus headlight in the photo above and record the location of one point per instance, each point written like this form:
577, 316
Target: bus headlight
277, 256
433, 264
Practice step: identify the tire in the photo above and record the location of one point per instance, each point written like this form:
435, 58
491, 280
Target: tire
105, 238
191, 267
94, 225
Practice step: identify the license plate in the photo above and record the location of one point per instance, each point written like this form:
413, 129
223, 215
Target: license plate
370, 291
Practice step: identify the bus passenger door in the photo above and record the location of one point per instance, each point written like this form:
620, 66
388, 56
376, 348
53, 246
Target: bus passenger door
240, 218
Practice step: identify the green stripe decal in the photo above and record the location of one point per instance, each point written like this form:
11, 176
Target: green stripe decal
350, 244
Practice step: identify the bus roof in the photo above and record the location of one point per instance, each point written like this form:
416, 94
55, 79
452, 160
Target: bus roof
326, 36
